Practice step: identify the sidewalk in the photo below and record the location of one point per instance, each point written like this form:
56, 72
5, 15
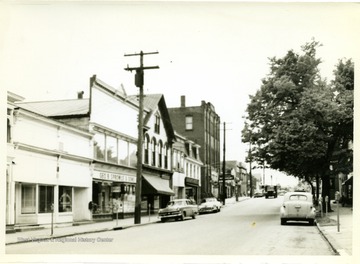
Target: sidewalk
87, 228
340, 241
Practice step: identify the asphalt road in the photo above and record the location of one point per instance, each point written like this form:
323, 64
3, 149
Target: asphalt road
251, 227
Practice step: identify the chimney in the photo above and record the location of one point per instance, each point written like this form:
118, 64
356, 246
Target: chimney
80, 95
183, 101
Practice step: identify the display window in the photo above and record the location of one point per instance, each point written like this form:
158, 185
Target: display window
28, 199
65, 199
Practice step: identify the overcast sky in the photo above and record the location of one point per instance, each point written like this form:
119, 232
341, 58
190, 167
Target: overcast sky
217, 52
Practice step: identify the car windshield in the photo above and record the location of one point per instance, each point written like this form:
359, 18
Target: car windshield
208, 200
173, 203
298, 197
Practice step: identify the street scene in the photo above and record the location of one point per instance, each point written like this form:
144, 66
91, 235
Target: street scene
249, 227
190, 129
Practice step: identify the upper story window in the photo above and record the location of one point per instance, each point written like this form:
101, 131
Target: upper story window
160, 154
166, 149
188, 123
99, 146
153, 151
114, 150
146, 150
157, 124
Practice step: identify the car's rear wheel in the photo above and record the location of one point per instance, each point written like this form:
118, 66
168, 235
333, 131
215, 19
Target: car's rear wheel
283, 221
194, 215
311, 222
219, 209
162, 220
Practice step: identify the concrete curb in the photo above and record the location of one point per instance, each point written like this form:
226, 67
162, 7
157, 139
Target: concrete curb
330, 241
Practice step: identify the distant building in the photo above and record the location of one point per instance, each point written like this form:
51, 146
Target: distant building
187, 168
201, 124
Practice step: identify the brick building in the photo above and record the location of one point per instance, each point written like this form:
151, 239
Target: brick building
201, 124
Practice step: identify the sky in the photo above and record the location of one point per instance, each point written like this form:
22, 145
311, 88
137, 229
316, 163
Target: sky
213, 51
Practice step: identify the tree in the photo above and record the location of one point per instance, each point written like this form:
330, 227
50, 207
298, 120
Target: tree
296, 120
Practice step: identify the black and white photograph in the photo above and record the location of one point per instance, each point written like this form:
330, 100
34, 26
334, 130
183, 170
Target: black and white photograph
179, 131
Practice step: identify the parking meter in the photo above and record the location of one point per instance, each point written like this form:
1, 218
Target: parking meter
337, 196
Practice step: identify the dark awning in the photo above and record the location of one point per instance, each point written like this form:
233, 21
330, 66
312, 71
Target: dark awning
155, 185
191, 181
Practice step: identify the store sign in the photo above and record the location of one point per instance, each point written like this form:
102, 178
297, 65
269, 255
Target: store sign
113, 177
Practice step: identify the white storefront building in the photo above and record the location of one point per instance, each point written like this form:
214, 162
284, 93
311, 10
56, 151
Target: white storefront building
48, 169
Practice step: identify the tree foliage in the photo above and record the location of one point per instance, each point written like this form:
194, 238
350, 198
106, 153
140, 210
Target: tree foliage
296, 121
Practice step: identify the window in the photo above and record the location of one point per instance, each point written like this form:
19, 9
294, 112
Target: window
99, 146
146, 152
111, 149
188, 123
8, 131
28, 199
65, 199
123, 152
157, 124
46, 198
166, 156
132, 154
153, 148
160, 154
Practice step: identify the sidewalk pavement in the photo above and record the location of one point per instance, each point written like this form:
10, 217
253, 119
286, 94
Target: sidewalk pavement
338, 236
340, 241
86, 228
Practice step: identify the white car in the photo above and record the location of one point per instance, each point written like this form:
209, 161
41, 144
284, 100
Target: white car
178, 209
209, 205
297, 206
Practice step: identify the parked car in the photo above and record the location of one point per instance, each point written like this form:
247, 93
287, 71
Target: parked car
179, 209
258, 194
209, 205
297, 206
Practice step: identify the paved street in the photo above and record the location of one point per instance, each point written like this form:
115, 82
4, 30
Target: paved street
250, 227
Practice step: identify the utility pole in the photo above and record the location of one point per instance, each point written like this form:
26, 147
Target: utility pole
139, 82
223, 179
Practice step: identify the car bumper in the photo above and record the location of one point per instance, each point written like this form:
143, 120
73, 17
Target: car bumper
206, 209
170, 214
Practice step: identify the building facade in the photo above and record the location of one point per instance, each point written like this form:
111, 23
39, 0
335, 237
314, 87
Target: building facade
48, 169
201, 124
186, 169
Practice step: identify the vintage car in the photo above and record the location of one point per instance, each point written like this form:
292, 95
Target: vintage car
297, 206
179, 209
209, 205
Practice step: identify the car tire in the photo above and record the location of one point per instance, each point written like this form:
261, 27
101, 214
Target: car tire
219, 209
282, 221
311, 222
214, 210
194, 215
163, 220
182, 217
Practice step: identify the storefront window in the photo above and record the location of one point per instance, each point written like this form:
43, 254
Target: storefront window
46, 198
65, 199
99, 145
132, 154
111, 149
28, 199
123, 152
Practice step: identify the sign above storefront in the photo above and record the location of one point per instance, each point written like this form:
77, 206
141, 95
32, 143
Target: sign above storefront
109, 176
